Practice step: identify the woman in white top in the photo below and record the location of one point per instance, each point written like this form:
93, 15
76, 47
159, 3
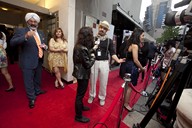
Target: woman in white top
4, 62
168, 57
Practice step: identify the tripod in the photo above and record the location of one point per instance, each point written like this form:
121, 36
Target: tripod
154, 66
127, 80
182, 72
144, 92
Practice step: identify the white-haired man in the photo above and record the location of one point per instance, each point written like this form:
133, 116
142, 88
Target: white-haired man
101, 66
31, 42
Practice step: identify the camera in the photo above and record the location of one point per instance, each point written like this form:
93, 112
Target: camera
184, 17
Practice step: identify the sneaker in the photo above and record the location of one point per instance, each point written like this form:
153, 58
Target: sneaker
102, 102
90, 100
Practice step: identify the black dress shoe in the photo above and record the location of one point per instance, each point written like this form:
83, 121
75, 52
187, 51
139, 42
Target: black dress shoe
31, 103
85, 108
82, 119
10, 89
41, 92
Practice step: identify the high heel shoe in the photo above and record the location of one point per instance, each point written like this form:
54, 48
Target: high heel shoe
10, 89
62, 85
129, 108
56, 84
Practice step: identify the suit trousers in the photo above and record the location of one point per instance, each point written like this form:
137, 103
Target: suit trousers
100, 68
81, 90
32, 81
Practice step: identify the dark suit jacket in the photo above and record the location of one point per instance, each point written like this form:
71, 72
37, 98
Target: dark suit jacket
28, 55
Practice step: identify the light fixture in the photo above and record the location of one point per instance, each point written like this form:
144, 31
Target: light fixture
5, 9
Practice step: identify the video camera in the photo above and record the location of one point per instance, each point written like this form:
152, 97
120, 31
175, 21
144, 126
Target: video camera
183, 17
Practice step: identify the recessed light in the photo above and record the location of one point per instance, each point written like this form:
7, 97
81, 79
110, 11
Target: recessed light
5, 9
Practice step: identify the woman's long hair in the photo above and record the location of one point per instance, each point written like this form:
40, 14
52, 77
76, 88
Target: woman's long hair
135, 37
85, 37
62, 35
1, 35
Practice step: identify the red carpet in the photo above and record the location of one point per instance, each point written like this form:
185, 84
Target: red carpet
55, 109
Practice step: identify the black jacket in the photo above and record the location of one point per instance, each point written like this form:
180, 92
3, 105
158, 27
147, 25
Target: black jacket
28, 55
122, 50
83, 61
143, 52
152, 51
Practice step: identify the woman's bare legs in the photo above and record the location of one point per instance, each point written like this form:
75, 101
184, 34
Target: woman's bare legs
58, 76
127, 98
7, 76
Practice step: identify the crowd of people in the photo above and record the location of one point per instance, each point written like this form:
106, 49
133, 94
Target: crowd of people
90, 56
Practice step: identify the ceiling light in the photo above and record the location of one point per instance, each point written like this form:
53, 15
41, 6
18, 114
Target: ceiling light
5, 9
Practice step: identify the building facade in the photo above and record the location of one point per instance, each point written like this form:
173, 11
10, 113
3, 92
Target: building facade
155, 16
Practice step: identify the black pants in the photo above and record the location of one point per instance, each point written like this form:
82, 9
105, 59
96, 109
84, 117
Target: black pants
81, 90
149, 64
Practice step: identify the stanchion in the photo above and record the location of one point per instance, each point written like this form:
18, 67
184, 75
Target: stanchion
127, 79
110, 109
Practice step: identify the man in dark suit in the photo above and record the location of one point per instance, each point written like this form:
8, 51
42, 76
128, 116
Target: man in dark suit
31, 42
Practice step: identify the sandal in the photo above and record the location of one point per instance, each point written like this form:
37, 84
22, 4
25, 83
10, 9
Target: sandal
10, 89
56, 84
129, 108
62, 84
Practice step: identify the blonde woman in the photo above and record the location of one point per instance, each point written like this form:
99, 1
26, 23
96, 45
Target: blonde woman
57, 57
4, 63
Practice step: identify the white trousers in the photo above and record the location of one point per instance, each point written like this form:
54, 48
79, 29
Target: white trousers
101, 69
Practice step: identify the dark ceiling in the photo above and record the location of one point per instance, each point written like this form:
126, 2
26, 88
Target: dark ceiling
13, 8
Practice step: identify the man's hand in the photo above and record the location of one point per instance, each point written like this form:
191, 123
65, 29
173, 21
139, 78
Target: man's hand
29, 34
44, 46
121, 60
95, 47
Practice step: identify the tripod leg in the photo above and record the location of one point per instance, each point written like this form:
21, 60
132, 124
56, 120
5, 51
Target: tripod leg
179, 91
150, 98
161, 97
165, 79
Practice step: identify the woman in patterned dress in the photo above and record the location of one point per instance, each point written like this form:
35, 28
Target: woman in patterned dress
57, 57
4, 63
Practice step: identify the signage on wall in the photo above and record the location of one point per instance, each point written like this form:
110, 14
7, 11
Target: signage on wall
126, 33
